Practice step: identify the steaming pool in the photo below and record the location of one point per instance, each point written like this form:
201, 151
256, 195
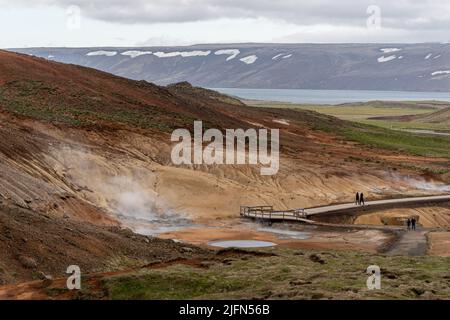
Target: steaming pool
242, 244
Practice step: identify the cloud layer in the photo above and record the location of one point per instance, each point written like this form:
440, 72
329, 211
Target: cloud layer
407, 14
194, 21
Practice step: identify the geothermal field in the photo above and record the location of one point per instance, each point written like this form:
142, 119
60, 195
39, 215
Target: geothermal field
87, 179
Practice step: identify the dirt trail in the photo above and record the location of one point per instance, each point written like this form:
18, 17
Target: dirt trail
411, 243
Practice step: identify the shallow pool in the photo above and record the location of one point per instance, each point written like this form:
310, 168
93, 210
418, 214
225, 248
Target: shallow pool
242, 244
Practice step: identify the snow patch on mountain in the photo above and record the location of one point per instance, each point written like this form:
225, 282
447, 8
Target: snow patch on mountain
135, 53
277, 56
386, 59
232, 53
184, 54
287, 56
161, 54
428, 56
249, 59
389, 50
440, 72
102, 53
196, 53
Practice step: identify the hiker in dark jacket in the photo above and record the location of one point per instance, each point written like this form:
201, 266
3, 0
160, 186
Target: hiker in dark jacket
361, 199
408, 224
357, 198
413, 223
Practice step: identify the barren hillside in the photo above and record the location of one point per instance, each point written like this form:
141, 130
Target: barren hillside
84, 146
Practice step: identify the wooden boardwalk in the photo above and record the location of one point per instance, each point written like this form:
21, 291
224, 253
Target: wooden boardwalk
305, 215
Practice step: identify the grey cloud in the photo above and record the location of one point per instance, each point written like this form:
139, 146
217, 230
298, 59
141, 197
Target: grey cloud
395, 14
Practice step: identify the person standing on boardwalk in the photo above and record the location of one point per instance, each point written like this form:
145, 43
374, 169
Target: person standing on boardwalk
413, 223
361, 198
357, 198
408, 224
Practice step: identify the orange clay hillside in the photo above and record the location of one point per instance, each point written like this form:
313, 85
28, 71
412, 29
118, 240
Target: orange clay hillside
87, 152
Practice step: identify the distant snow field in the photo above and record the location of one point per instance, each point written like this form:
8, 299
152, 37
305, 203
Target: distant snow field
232, 53
386, 59
196, 53
135, 53
440, 72
183, 54
282, 56
389, 50
277, 56
161, 54
102, 53
250, 59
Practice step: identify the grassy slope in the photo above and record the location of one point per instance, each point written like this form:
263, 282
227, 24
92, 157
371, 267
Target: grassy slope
428, 116
365, 111
376, 133
289, 275
439, 117
42, 101
38, 100
415, 144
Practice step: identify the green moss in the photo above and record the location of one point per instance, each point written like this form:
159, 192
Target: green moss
174, 283
43, 102
289, 275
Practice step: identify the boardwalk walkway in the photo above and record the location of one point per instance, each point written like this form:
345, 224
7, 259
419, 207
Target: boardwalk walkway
305, 215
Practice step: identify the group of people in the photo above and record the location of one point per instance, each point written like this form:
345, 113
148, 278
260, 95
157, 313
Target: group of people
411, 224
359, 199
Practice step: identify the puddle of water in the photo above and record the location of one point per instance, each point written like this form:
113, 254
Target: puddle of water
287, 234
242, 244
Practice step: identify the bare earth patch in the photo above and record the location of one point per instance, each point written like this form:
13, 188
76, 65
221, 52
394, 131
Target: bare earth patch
439, 243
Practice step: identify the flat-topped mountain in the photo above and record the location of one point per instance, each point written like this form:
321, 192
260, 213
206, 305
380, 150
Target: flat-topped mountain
409, 67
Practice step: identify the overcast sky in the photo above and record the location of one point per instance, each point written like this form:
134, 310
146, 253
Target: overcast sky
78, 23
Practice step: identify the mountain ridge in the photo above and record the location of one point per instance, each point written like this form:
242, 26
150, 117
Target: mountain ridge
353, 66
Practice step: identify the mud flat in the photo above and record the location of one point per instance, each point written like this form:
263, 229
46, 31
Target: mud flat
286, 236
439, 243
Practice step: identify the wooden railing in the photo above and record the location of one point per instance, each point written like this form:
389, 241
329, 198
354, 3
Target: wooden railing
267, 212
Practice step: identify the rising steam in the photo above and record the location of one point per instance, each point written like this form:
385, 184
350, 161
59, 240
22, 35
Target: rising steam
126, 190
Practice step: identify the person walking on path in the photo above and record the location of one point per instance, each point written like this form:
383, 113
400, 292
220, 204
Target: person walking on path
408, 224
413, 223
357, 199
361, 198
